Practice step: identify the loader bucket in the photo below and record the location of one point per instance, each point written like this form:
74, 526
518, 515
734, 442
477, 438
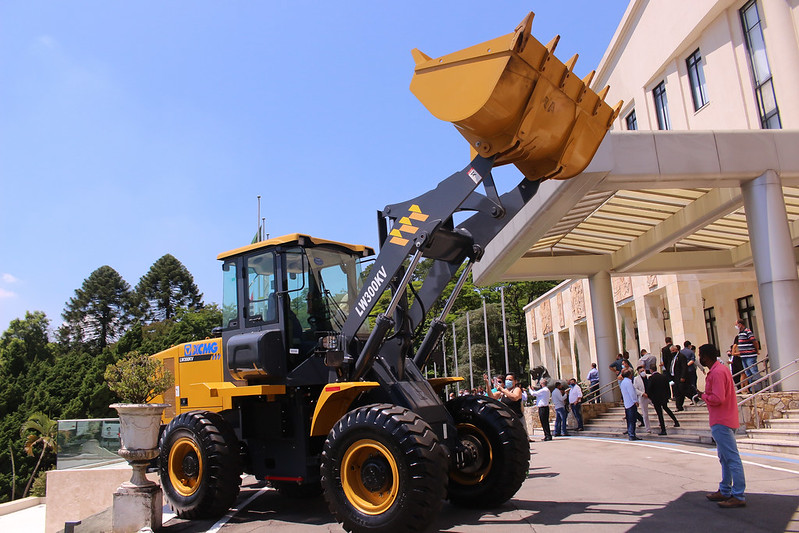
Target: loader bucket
511, 98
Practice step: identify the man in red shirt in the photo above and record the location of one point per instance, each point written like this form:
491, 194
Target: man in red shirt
722, 407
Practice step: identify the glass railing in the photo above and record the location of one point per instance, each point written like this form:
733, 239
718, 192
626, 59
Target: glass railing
88, 443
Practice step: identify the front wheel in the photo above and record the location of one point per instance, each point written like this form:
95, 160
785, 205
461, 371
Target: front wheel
383, 470
199, 465
499, 449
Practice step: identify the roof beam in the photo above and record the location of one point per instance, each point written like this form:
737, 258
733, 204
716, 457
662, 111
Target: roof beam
554, 201
694, 216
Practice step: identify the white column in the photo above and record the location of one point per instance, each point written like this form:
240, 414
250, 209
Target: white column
603, 313
775, 268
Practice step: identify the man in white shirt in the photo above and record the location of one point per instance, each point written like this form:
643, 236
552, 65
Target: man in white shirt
576, 401
561, 414
542, 402
640, 383
630, 398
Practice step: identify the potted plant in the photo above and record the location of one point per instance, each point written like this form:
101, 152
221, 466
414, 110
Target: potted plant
137, 379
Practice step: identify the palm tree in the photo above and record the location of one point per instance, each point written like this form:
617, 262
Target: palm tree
45, 434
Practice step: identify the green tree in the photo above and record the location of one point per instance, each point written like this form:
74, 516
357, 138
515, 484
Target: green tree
44, 432
165, 288
100, 309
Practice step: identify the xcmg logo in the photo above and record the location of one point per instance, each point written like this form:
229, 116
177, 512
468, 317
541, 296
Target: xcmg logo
201, 351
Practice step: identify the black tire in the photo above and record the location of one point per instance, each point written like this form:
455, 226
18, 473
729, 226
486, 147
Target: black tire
200, 466
499, 443
383, 470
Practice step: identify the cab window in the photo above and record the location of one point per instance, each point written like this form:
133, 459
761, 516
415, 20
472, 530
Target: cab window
230, 298
262, 304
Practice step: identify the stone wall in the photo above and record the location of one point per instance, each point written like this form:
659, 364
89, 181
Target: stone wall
590, 411
769, 405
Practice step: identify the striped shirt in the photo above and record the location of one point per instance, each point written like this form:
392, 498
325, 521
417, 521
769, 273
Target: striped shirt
746, 343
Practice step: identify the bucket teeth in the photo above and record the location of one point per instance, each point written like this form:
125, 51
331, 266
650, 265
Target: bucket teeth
570, 63
523, 32
589, 78
419, 57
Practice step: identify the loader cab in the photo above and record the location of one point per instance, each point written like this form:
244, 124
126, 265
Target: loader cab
280, 297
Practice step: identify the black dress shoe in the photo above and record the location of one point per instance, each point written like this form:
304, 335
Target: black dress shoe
676, 424
662, 432
635, 438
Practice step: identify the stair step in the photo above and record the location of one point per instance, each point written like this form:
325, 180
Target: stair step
673, 435
791, 413
778, 434
783, 423
790, 447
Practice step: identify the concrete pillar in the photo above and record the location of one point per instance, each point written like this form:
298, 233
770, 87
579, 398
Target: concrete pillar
775, 268
603, 312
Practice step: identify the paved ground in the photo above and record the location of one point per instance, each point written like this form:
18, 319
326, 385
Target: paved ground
578, 484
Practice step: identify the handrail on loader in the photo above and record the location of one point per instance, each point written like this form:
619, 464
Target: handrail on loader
510, 97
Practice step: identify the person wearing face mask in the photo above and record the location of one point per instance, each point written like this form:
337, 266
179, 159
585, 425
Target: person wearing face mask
510, 394
748, 349
576, 401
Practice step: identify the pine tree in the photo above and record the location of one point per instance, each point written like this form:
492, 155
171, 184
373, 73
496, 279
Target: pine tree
166, 287
100, 309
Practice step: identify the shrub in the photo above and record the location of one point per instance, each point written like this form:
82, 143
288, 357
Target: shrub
138, 378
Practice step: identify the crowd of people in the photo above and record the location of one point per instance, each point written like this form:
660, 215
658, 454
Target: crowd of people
655, 383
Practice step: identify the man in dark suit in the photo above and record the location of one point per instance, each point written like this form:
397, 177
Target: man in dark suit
665, 364
679, 374
657, 389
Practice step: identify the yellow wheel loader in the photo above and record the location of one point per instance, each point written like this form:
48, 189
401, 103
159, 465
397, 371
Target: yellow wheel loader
300, 391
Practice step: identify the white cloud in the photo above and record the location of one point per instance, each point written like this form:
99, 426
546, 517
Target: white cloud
9, 278
5, 295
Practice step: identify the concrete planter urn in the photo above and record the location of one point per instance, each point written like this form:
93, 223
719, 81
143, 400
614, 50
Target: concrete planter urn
138, 429
138, 502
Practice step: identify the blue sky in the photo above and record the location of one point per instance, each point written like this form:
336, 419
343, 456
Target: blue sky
129, 130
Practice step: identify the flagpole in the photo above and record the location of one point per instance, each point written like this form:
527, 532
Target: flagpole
504, 328
258, 222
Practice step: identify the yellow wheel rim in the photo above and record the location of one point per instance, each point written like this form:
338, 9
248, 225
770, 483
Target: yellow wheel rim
469, 433
185, 451
369, 477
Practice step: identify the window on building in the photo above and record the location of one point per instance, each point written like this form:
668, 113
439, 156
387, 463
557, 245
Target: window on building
696, 76
746, 312
761, 72
661, 106
710, 327
632, 122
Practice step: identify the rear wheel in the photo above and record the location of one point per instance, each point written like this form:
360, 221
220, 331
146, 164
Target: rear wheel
383, 470
498, 445
199, 465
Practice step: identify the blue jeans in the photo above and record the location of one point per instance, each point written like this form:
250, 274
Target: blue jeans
577, 411
732, 482
751, 372
631, 414
560, 421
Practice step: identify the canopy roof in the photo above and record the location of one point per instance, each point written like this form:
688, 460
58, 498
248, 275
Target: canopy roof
649, 202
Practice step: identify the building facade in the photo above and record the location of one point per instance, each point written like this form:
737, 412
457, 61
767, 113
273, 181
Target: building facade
687, 65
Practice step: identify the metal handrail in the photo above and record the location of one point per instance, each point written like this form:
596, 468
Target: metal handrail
591, 396
765, 389
764, 360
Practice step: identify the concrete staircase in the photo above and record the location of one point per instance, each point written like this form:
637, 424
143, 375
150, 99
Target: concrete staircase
780, 435
693, 428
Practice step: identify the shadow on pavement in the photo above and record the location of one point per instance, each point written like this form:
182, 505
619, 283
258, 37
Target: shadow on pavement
691, 512
270, 506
